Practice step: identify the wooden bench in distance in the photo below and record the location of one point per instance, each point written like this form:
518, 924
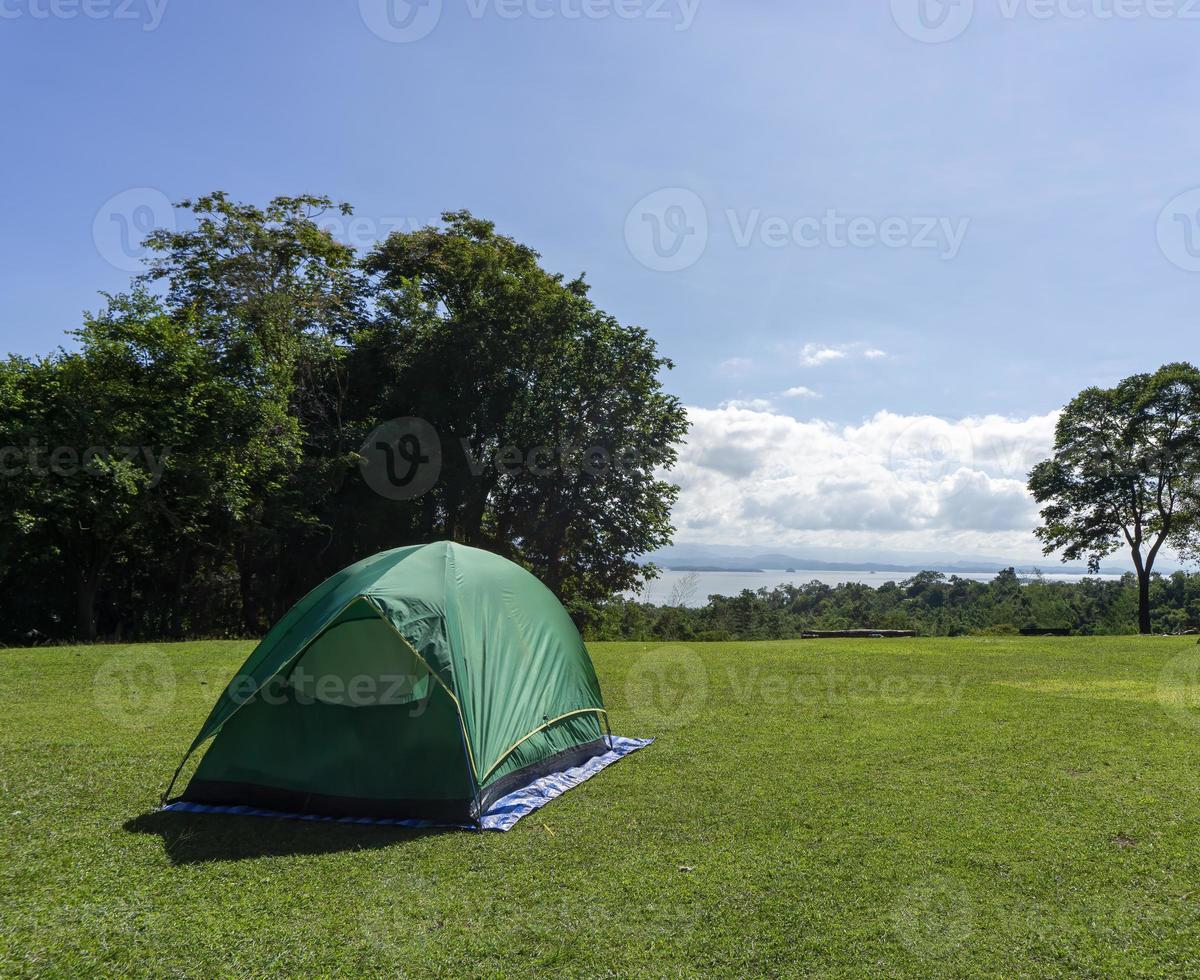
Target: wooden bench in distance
854, 634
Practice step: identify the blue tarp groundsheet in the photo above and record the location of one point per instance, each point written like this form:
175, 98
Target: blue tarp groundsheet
502, 815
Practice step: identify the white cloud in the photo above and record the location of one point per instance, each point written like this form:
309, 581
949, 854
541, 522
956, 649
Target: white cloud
814, 355
753, 404
904, 482
800, 391
737, 365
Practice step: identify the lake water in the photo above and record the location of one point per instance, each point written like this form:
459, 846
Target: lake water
661, 589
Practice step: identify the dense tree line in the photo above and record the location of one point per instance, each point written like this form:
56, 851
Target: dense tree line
192, 464
929, 603
252, 415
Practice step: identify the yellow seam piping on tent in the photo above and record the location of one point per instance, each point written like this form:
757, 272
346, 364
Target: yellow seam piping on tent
447, 565
445, 686
541, 728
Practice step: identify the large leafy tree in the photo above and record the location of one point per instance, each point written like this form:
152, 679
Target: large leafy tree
252, 359
1126, 460
126, 460
551, 414
276, 295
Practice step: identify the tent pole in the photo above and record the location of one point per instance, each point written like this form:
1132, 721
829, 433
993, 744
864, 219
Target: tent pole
477, 816
171, 785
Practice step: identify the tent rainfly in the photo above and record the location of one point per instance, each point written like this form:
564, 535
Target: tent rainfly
430, 684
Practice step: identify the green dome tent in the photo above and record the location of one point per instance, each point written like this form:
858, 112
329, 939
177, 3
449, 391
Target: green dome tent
426, 683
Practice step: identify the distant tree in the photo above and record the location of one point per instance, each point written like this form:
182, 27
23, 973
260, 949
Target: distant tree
684, 589
1125, 464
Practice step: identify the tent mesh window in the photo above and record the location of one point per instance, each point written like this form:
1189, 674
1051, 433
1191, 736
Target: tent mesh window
359, 662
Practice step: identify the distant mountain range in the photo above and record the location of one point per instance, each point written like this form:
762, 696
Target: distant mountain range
813, 565
685, 558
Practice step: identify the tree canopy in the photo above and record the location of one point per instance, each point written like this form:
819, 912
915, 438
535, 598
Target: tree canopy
1124, 473
931, 603
192, 465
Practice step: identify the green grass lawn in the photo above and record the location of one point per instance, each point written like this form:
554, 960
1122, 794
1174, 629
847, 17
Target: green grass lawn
923, 807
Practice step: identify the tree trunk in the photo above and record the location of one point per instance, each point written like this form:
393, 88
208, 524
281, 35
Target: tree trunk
246, 589
86, 605
1144, 601
428, 518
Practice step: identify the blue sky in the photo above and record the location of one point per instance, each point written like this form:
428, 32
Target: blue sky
1014, 190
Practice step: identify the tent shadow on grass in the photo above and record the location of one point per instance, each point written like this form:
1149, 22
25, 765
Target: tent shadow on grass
194, 838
